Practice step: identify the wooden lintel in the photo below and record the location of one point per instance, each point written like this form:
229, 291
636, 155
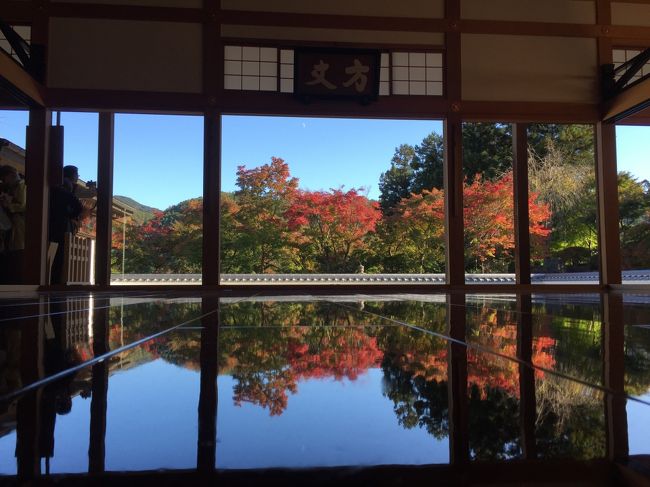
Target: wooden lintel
259, 103
125, 12
126, 101
328, 21
513, 111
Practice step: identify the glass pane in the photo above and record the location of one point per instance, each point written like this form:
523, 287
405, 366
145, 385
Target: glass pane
493, 386
562, 185
383, 388
488, 202
321, 200
632, 146
157, 199
13, 194
73, 226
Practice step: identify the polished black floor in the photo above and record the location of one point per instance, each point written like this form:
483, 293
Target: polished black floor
94, 384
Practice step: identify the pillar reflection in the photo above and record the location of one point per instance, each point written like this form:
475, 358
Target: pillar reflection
614, 377
528, 414
99, 402
457, 370
208, 396
28, 410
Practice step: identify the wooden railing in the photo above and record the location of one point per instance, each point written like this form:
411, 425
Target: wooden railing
78, 263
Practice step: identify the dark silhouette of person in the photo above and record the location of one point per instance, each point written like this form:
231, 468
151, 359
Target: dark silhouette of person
13, 199
12, 224
65, 211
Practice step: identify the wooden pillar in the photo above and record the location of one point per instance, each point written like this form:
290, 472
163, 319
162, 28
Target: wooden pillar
520, 195
104, 199
453, 166
99, 400
528, 404
40, 22
36, 213
212, 89
457, 382
208, 399
608, 215
453, 175
614, 377
212, 51
211, 197
606, 172
55, 162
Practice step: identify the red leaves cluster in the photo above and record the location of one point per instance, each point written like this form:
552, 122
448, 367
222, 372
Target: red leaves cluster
331, 225
346, 356
488, 215
284, 229
486, 370
272, 180
269, 225
305, 353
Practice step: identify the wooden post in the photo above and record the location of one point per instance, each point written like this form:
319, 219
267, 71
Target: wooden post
453, 175
608, 215
453, 166
34, 269
212, 89
606, 172
56, 155
520, 195
104, 199
211, 197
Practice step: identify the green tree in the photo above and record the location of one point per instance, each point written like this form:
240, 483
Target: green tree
264, 195
230, 254
487, 150
634, 208
396, 183
429, 163
169, 242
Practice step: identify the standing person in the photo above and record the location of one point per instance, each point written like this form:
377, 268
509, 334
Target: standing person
14, 197
65, 212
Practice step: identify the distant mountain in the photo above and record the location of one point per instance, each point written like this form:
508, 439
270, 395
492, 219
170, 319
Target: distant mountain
142, 212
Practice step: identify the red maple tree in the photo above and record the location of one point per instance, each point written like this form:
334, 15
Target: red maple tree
488, 215
328, 226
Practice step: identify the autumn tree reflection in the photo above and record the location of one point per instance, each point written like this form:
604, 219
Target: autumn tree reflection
269, 348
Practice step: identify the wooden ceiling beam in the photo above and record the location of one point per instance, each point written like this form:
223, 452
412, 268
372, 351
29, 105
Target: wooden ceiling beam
632, 100
326, 21
19, 83
16, 12
125, 12
23, 12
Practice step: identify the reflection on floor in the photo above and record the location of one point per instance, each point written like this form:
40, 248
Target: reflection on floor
549, 389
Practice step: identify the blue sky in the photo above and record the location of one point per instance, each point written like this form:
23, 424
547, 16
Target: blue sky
158, 158
322, 153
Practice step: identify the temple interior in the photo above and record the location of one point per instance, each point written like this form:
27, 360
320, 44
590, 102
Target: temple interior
367, 242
